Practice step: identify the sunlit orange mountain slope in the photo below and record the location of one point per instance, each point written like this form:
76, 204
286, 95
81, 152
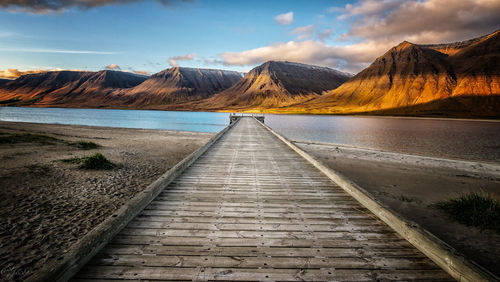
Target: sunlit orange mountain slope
460, 79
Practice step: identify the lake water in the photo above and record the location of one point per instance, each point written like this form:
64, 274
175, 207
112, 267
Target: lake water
458, 139
186, 121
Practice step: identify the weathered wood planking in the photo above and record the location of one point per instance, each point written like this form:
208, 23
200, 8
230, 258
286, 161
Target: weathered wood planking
251, 209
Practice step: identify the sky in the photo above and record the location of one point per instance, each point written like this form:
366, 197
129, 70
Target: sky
149, 36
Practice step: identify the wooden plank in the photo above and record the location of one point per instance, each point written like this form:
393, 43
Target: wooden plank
187, 213
282, 251
258, 242
346, 226
256, 234
256, 274
221, 218
266, 262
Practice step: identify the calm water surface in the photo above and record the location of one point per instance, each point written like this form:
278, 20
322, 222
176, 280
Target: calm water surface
469, 140
458, 139
186, 121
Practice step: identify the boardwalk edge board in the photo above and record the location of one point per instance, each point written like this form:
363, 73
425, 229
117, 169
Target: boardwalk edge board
89, 245
456, 264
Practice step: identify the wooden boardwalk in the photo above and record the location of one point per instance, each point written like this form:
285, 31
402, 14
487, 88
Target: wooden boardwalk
251, 208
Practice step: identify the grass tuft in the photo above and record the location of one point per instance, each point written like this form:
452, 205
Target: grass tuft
75, 160
474, 209
27, 138
96, 161
38, 169
84, 145
406, 199
7, 138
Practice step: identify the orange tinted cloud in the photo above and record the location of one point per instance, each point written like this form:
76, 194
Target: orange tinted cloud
429, 21
15, 73
173, 61
143, 72
112, 67
304, 32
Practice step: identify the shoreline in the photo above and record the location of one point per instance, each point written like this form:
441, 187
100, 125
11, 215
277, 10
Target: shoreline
478, 119
108, 127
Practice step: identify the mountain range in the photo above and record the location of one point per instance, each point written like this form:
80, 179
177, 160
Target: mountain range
453, 79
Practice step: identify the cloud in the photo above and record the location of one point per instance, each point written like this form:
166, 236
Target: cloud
366, 8
142, 72
304, 32
15, 73
173, 61
54, 6
284, 19
349, 58
428, 21
60, 51
325, 34
169, 3
112, 67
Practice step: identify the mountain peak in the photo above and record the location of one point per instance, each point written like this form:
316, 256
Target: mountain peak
188, 70
404, 45
453, 48
280, 66
277, 83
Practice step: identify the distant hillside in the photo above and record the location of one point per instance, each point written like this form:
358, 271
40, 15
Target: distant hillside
275, 84
67, 88
177, 85
35, 86
410, 74
115, 89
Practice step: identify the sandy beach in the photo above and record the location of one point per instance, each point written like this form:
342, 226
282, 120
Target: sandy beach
46, 204
410, 185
